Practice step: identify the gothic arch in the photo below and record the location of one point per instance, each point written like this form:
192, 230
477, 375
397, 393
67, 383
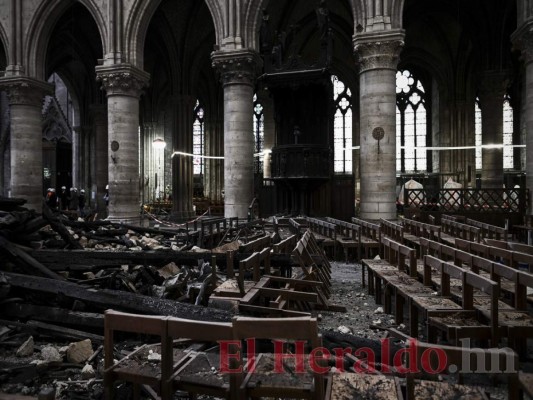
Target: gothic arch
253, 16
42, 26
218, 19
397, 14
136, 28
4, 43
358, 13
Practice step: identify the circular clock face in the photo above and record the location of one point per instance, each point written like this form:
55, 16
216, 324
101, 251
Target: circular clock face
114, 145
378, 133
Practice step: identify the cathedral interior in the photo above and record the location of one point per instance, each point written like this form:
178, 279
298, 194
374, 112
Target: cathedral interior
340, 115
302, 107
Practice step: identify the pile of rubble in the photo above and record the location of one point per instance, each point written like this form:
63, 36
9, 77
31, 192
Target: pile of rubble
58, 276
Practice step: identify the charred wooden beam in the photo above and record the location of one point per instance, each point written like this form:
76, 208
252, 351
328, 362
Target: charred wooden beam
62, 332
24, 260
123, 301
55, 315
58, 226
60, 259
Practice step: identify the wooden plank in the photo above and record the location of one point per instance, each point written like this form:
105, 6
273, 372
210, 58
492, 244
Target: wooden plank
61, 331
19, 256
289, 294
54, 314
124, 301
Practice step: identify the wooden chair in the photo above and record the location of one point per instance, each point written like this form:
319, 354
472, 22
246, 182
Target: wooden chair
458, 361
196, 372
296, 381
133, 368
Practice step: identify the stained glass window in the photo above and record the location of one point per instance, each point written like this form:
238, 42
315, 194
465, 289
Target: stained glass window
508, 159
411, 123
342, 128
479, 136
198, 139
259, 136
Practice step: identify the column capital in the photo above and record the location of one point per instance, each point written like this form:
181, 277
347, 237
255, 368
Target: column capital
236, 67
522, 40
378, 50
25, 90
493, 85
122, 79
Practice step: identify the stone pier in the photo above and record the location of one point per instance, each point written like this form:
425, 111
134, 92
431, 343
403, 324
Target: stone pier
237, 70
182, 165
123, 84
491, 92
378, 59
26, 101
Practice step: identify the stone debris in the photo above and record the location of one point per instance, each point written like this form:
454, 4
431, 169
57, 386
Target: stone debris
79, 352
26, 349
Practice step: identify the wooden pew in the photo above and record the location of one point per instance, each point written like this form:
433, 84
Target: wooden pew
370, 236
393, 230
450, 230
414, 230
488, 231
324, 232
348, 236
457, 361
466, 323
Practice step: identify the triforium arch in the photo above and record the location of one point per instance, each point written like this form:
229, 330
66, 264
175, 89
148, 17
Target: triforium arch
42, 26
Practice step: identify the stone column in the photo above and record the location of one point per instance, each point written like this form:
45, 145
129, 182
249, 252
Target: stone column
378, 58
76, 156
214, 143
99, 117
25, 101
182, 167
123, 84
523, 39
491, 92
237, 70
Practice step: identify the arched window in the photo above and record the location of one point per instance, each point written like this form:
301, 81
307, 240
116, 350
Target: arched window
411, 123
479, 136
342, 127
198, 139
508, 159
259, 135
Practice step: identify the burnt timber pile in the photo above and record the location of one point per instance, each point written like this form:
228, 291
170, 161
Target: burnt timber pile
136, 311
59, 275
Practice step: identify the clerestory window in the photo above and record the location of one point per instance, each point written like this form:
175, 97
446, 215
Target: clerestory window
198, 140
342, 128
411, 124
259, 135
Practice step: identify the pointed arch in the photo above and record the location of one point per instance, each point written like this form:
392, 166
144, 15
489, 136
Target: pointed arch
4, 42
252, 22
397, 14
218, 19
136, 28
42, 25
